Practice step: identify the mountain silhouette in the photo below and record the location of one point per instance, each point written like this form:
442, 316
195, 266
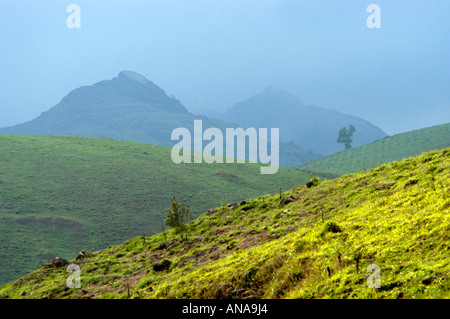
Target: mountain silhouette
127, 107
130, 107
311, 127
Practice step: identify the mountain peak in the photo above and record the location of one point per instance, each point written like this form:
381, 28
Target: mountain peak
134, 76
281, 94
274, 90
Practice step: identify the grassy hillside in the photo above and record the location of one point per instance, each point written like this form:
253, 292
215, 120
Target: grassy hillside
59, 195
317, 244
130, 107
393, 148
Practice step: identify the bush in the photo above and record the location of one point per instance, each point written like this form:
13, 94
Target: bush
331, 227
178, 216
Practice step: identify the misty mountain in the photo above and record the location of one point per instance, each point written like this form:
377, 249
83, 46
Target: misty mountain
311, 127
130, 107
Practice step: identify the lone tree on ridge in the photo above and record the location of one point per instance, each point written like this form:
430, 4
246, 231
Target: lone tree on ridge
345, 136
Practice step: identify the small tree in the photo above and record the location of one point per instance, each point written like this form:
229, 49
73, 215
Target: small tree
178, 217
345, 136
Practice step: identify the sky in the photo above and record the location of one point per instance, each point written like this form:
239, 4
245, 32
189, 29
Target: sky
211, 54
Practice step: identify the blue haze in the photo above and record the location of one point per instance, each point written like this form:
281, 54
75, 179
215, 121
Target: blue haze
211, 54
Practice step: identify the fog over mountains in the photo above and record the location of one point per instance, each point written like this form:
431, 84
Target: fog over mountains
309, 126
131, 107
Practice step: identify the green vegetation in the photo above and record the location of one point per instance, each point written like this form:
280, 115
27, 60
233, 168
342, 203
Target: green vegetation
178, 216
130, 107
60, 195
393, 148
345, 136
313, 242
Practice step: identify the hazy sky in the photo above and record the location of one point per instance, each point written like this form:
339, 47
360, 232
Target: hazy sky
211, 54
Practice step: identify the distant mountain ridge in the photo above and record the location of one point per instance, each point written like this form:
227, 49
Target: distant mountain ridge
309, 126
107, 108
130, 107
128, 87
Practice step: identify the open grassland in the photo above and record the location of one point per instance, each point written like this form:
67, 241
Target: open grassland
313, 242
59, 195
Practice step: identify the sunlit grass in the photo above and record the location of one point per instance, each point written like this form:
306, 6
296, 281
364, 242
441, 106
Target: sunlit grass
317, 246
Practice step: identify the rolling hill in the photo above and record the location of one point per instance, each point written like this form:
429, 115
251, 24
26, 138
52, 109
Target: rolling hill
133, 108
311, 127
318, 242
392, 148
127, 107
59, 195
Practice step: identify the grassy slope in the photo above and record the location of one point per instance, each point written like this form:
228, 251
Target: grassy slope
395, 216
59, 195
393, 148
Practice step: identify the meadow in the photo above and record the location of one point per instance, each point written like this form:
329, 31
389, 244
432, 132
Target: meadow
61, 194
317, 242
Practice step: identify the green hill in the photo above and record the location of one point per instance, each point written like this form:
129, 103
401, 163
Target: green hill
393, 148
59, 195
127, 107
132, 108
315, 242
